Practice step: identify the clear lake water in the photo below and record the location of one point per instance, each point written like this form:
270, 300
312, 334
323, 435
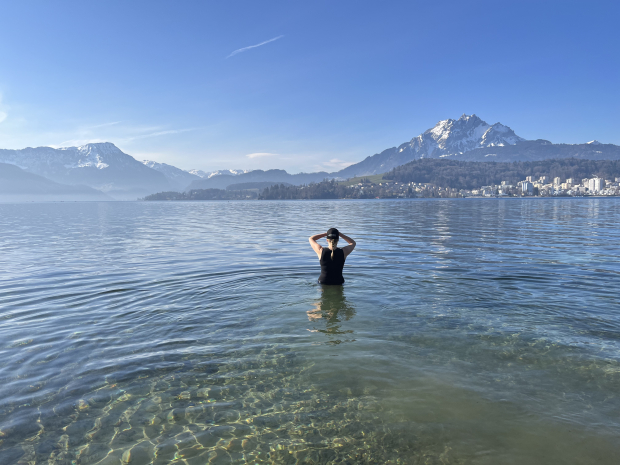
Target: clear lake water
468, 331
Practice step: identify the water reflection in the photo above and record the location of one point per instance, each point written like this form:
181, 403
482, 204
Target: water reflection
329, 312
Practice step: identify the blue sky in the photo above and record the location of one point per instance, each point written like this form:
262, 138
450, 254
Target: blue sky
341, 81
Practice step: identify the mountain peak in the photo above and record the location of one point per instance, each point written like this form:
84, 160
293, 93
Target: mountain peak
454, 137
594, 142
465, 117
98, 147
100, 144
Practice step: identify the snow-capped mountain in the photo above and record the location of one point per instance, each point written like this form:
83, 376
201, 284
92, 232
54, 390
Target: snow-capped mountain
454, 137
210, 174
179, 179
448, 138
102, 166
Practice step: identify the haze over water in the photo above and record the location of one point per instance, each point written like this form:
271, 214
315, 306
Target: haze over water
467, 332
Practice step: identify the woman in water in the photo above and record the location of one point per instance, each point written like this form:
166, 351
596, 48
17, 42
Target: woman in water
332, 258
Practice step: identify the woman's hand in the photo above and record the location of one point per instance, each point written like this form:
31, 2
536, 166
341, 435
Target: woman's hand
315, 245
349, 248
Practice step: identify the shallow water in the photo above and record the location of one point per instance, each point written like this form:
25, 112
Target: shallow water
467, 332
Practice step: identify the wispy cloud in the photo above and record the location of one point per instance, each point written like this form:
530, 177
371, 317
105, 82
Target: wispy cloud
104, 125
159, 133
244, 49
261, 154
86, 136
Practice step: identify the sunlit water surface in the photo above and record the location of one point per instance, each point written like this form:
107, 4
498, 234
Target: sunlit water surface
467, 332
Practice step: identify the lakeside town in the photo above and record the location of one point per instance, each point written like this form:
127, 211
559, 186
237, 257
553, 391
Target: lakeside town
379, 188
375, 187
541, 187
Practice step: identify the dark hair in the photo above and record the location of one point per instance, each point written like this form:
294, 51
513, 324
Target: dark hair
333, 235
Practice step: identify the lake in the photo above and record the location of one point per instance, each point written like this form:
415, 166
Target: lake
469, 331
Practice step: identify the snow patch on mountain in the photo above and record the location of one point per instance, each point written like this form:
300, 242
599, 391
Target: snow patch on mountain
87, 156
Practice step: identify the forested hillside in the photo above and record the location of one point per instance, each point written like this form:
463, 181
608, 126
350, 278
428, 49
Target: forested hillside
472, 175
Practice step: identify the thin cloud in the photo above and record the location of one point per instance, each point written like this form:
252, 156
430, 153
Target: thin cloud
261, 154
159, 133
3, 116
104, 125
93, 140
244, 49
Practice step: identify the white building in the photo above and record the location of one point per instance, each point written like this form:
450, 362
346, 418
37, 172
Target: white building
557, 181
527, 187
596, 185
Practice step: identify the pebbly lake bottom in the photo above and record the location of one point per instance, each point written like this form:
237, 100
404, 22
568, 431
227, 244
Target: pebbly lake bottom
467, 332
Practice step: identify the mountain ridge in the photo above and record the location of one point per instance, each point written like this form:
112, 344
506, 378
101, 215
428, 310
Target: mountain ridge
471, 139
104, 167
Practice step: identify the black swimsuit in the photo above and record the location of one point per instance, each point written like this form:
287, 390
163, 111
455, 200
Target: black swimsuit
331, 270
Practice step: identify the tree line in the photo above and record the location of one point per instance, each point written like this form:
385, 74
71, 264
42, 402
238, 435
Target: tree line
472, 175
204, 194
321, 190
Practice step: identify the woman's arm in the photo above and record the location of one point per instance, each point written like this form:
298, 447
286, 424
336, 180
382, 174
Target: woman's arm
349, 248
315, 245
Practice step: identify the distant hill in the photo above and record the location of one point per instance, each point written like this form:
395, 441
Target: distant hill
204, 174
538, 150
253, 185
271, 176
204, 194
177, 177
101, 166
17, 185
467, 175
